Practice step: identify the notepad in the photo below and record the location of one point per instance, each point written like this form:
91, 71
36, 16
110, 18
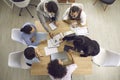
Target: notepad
52, 26
80, 30
49, 51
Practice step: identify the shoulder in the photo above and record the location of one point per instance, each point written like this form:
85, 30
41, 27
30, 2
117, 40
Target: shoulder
40, 5
72, 66
32, 46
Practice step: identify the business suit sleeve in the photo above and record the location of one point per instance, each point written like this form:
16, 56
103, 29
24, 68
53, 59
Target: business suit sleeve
40, 14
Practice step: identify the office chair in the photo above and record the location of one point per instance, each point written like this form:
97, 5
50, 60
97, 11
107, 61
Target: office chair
16, 36
106, 2
16, 60
107, 58
23, 4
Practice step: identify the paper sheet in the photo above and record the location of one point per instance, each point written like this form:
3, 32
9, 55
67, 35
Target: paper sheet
56, 39
49, 51
52, 26
50, 45
80, 30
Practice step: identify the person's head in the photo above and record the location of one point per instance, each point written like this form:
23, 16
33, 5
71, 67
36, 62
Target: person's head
56, 69
29, 53
51, 7
96, 48
27, 29
74, 11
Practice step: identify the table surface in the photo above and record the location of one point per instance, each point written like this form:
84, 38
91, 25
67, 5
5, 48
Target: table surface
84, 63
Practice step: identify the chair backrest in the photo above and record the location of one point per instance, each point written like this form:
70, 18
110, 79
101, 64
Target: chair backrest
21, 4
107, 58
16, 60
16, 35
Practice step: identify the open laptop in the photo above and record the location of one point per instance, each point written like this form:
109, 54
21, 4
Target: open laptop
63, 56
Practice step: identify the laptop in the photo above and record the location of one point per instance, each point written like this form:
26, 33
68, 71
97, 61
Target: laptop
63, 56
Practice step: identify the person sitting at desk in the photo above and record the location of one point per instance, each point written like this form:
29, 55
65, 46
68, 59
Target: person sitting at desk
57, 71
75, 14
30, 34
47, 11
31, 55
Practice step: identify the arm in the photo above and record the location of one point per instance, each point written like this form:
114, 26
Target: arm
43, 22
40, 14
71, 68
65, 17
35, 60
83, 18
57, 14
35, 43
26, 39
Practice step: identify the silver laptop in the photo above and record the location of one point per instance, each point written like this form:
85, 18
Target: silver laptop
61, 55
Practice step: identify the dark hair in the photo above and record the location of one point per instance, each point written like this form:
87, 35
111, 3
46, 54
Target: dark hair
52, 6
26, 29
96, 47
75, 9
18, 0
56, 70
29, 53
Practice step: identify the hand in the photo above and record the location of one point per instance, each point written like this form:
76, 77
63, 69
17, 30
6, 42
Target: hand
70, 51
33, 39
38, 53
56, 23
51, 34
74, 24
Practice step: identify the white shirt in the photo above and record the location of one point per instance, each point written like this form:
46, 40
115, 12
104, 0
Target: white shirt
70, 70
82, 16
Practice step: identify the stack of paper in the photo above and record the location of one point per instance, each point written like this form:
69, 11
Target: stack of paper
49, 51
52, 26
80, 30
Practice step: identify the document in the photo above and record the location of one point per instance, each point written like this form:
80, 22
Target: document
49, 51
80, 30
50, 45
52, 26
56, 39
